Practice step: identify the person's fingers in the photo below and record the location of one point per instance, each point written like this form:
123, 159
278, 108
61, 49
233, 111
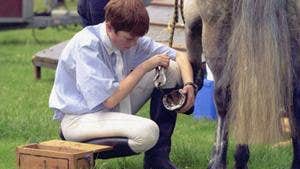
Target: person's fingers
189, 98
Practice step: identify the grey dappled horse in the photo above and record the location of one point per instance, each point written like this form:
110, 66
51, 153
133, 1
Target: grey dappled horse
253, 50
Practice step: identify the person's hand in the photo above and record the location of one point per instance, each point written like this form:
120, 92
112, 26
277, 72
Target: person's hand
189, 91
157, 60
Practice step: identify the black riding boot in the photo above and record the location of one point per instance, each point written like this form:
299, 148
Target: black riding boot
119, 144
158, 156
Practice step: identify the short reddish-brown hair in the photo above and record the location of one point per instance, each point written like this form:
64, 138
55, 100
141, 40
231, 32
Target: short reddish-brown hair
128, 15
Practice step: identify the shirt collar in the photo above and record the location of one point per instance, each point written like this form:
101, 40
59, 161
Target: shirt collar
106, 40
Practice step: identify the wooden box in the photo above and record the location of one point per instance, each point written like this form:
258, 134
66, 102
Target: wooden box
57, 154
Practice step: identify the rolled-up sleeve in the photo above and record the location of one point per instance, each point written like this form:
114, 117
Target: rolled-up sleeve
94, 79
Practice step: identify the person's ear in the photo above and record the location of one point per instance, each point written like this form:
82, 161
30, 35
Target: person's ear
109, 27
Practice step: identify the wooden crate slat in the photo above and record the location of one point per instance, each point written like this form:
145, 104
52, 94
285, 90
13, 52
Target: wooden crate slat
76, 145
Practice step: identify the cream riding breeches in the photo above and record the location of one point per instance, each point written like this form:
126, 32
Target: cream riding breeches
142, 133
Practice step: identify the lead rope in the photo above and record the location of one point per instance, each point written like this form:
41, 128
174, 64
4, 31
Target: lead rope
175, 20
181, 11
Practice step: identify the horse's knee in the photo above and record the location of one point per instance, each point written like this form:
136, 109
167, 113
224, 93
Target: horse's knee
221, 98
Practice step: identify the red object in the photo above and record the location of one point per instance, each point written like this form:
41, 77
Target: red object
11, 8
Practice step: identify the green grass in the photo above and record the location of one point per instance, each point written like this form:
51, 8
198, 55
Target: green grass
40, 6
26, 118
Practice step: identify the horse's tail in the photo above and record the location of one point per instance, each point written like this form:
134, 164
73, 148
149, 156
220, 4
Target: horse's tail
259, 59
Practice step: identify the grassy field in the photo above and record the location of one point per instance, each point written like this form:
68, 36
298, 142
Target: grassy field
25, 116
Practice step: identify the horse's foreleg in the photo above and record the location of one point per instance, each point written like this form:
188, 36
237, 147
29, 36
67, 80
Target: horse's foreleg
296, 126
193, 32
193, 38
219, 153
241, 156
